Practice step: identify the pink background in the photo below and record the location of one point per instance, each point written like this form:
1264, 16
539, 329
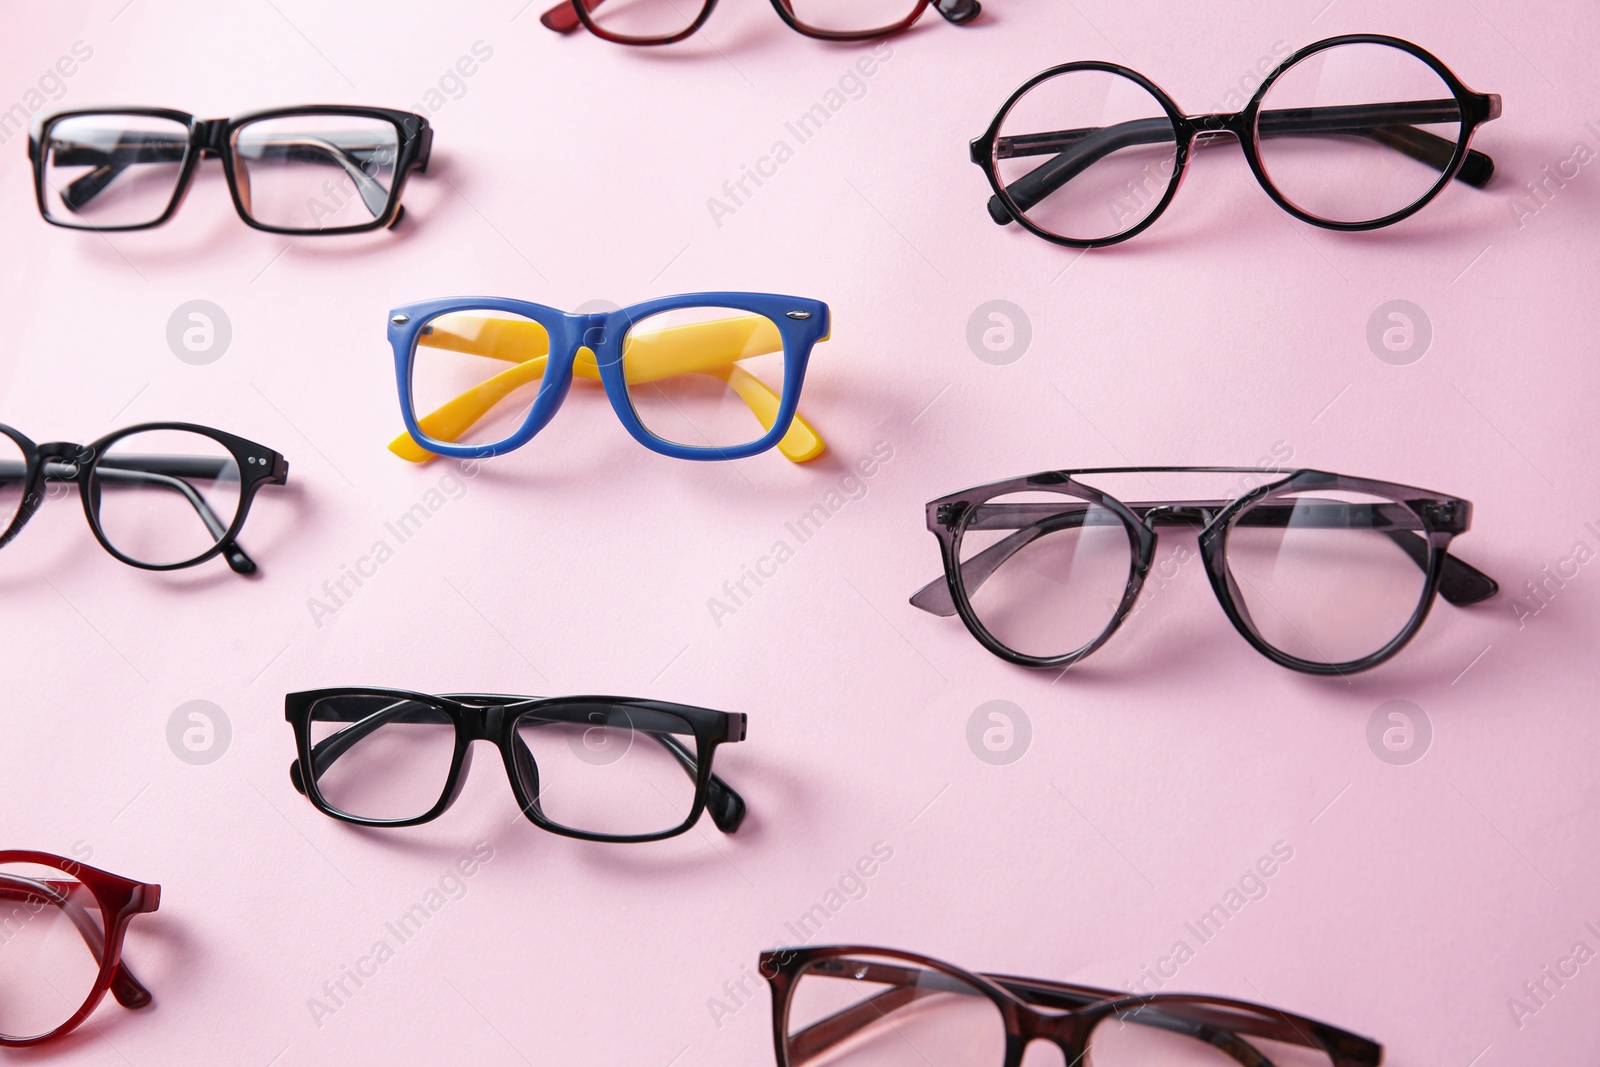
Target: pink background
1419, 898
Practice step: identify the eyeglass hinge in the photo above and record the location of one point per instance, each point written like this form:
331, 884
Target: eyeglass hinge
947, 515
1443, 513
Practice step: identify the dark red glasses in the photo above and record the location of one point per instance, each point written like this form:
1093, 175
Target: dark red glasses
61, 930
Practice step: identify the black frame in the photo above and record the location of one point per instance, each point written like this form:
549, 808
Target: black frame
570, 15
1442, 517
85, 465
215, 137
1458, 161
1059, 1013
494, 717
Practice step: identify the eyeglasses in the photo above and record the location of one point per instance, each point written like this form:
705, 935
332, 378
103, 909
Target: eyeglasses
649, 22
681, 373
160, 495
61, 930
1319, 572
316, 169
596, 768
1350, 133
875, 1007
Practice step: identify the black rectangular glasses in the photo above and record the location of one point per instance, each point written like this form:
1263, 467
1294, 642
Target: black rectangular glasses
313, 169
592, 767
160, 495
1319, 572
1350, 133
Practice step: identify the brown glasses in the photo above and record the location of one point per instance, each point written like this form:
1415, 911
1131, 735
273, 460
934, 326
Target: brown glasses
874, 1007
61, 930
649, 22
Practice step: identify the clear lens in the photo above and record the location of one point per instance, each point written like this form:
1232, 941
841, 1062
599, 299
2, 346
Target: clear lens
1087, 154
377, 757
1045, 572
112, 170
1328, 577
644, 20
852, 16
475, 374
614, 771
52, 938
1357, 132
13, 471
866, 1011
316, 172
165, 497
707, 377
1185, 1034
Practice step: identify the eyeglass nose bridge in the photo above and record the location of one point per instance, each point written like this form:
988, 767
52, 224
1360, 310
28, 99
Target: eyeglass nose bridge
1218, 126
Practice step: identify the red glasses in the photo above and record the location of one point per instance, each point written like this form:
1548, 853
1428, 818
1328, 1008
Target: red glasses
666, 21
61, 930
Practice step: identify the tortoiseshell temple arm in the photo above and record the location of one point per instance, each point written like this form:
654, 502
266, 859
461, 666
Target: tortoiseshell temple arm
1215, 1025
1459, 583
35, 893
1393, 125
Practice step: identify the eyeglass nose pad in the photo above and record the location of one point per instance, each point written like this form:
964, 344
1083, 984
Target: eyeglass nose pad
461, 779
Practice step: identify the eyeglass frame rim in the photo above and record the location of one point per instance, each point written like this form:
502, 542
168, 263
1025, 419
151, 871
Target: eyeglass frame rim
1212, 538
215, 136
1476, 109
118, 898
712, 729
257, 464
783, 967
567, 332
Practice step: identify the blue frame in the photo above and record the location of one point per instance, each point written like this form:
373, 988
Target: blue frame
602, 333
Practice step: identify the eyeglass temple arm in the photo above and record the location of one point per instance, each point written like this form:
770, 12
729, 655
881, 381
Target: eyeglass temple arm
563, 18
325, 752
169, 472
1459, 583
133, 147
908, 985
129, 991
1217, 1024
1392, 125
727, 807
698, 348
